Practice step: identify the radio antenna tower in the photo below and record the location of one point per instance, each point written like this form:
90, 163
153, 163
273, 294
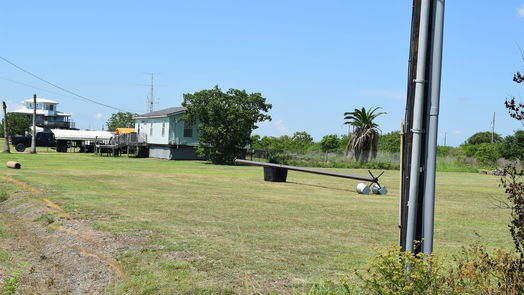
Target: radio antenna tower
151, 98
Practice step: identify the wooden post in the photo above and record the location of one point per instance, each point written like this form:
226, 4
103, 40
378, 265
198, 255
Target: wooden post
33, 137
6, 139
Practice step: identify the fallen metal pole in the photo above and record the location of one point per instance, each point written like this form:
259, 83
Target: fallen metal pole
308, 170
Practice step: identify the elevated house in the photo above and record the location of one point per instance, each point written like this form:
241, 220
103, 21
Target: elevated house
47, 115
167, 135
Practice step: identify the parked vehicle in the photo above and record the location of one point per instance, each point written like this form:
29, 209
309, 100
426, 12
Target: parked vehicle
43, 139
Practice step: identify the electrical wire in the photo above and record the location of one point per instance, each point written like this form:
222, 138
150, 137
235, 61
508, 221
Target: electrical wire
59, 87
38, 88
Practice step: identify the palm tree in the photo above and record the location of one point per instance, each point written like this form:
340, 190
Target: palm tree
365, 133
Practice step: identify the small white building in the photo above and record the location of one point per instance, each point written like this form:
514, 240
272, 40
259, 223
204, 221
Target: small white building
47, 115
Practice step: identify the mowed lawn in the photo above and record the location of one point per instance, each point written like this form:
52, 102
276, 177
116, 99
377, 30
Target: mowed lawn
213, 228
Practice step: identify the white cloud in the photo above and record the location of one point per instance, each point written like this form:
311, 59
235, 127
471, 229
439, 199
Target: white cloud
520, 11
98, 116
457, 131
273, 128
279, 124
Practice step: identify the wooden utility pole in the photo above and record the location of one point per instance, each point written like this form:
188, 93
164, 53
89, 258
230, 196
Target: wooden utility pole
33, 133
6, 140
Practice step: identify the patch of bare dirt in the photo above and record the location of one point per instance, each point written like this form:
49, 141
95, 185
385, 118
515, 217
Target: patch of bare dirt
61, 255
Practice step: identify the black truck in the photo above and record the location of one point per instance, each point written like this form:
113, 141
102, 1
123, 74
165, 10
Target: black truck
43, 139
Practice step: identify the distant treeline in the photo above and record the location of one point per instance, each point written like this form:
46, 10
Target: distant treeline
481, 150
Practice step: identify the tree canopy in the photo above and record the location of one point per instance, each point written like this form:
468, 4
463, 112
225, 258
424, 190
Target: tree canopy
513, 146
389, 142
225, 119
120, 120
17, 124
364, 140
329, 143
483, 137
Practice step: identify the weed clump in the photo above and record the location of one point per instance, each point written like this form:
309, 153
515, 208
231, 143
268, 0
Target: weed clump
46, 219
4, 196
10, 284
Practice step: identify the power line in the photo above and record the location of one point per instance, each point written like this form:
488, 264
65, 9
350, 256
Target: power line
59, 87
37, 88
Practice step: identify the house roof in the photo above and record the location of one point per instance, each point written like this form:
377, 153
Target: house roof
162, 113
41, 100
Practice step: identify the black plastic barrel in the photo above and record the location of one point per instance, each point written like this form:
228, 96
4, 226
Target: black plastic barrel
275, 174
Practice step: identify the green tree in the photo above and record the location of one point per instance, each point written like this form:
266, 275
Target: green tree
226, 120
389, 142
256, 142
483, 137
364, 140
344, 141
120, 120
301, 142
17, 124
329, 143
487, 153
513, 146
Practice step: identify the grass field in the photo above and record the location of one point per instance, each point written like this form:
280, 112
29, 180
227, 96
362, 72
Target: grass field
222, 228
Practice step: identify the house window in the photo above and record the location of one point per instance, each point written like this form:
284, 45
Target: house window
163, 129
151, 129
50, 107
188, 130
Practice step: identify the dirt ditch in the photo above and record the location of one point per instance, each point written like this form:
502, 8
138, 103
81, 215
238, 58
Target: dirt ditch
57, 253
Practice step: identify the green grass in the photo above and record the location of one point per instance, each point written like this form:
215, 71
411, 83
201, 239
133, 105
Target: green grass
221, 229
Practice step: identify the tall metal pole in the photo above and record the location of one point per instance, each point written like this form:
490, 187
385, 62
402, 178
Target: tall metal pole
418, 109
152, 97
33, 133
428, 212
6, 137
493, 129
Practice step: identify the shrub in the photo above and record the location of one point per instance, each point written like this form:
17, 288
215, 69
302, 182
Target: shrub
395, 272
478, 272
276, 156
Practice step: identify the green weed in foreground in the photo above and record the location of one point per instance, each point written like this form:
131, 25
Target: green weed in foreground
10, 284
392, 272
4, 196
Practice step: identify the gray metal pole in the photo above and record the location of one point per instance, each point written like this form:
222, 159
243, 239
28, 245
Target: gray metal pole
6, 139
33, 133
418, 110
429, 188
493, 129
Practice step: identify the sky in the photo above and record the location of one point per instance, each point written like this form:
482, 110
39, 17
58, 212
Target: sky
312, 60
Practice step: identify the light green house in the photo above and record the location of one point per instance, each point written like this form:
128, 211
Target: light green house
167, 135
